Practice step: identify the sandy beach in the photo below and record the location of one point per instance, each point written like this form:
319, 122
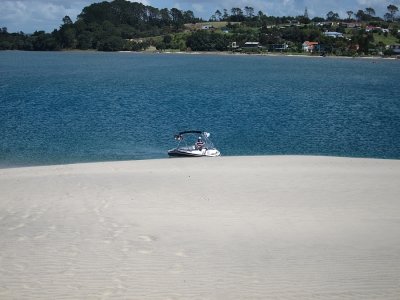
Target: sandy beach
279, 227
266, 54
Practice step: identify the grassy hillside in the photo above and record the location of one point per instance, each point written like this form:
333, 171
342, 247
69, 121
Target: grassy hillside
387, 40
217, 25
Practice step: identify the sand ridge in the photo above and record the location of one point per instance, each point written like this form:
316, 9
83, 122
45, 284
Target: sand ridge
280, 227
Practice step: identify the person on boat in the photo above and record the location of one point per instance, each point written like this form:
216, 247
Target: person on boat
199, 144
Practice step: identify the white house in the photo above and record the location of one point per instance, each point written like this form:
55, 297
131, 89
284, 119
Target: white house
309, 46
395, 48
234, 46
207, 27
251, 45
333, 34
377, 28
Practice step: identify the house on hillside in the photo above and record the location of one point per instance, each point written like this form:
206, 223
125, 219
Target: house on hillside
251, 45
333, 34
309, 46
233, 46
278, 47
327, 23
224, 29
207, 27
395, 48
351, 25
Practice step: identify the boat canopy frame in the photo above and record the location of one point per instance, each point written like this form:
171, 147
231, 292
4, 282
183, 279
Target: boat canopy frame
205, 136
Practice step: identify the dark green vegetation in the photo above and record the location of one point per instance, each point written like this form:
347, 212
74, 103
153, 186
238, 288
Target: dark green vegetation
123, 25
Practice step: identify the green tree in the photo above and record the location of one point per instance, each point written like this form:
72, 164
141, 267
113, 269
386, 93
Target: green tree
349, 13
249, 11
332, 16
293, 34
392, 10
218, 15
96, 12
165, 16
42, 41
387, 17
203, 40
188, 17
317, 19
67, 20
364, 41
360, 15
237, 14
67, 37
112, 43
225, 16
85, 40
167, 39
370, 11
177, 17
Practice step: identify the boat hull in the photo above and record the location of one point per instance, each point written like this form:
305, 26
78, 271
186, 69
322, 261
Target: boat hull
193, 153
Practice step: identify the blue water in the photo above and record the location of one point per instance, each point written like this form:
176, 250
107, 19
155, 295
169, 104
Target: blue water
68, 107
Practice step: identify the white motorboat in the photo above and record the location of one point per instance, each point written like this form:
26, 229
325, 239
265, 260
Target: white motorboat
194, 143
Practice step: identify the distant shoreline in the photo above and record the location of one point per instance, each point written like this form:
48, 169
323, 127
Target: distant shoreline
221, 53
228, 53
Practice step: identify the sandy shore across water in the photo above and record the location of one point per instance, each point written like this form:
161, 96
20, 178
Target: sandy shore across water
282, 227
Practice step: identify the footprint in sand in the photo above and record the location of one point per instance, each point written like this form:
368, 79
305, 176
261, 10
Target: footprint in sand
16, 227
181, 253
144, 251
147, 238
20, 267
41, 236
26, 215
106, 204
176, 269
45, 234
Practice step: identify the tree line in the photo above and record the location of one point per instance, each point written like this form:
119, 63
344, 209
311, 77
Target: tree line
124, 25
248, 13
105, 26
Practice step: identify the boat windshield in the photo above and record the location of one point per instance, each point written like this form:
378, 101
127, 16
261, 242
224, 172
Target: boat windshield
194, 138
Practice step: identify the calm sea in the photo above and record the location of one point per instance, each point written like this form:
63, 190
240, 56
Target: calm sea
68, 107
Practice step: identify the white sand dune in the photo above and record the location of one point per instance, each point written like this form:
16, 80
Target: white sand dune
224, 228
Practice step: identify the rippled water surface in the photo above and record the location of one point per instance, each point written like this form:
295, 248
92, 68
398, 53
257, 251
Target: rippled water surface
67, 107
